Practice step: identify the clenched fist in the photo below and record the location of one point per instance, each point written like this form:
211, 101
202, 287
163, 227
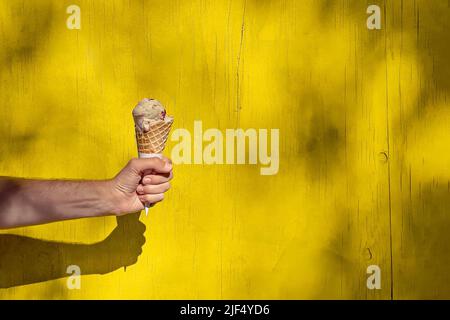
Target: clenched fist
141, 182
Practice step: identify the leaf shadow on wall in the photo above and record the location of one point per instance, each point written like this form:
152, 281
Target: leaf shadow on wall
25, 260
24, 34
425, 242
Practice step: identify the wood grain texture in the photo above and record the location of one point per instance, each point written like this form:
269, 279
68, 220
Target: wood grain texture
364, 158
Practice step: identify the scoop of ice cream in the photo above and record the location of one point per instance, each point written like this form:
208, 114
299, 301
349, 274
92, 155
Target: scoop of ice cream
150, 109
146, 111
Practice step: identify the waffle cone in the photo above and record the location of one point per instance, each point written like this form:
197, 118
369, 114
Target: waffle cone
154, 140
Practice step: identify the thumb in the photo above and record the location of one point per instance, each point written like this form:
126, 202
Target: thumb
150, 164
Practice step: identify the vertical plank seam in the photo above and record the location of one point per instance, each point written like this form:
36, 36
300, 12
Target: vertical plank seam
389, 157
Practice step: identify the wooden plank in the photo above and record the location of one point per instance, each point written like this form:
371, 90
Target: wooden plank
419, 125
308, 68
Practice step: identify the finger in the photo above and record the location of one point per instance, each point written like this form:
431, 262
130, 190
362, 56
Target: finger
151, 198
150, 164
166, 159
153, 188
157, 178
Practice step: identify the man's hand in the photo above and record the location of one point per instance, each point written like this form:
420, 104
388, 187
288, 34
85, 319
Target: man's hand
26, 202
142, 181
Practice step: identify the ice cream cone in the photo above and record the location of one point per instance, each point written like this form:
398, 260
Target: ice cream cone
152, 126
154, 140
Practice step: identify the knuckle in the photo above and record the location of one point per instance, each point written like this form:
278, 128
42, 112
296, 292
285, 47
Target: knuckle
156, 161
168, 159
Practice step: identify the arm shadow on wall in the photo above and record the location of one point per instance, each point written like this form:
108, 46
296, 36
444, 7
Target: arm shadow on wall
24, 260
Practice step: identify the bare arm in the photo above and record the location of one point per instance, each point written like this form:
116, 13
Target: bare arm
28, 202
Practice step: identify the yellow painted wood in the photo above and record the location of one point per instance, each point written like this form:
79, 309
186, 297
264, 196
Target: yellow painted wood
364, 158
419, 114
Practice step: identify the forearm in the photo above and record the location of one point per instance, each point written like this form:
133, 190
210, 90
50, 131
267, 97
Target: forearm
28, 202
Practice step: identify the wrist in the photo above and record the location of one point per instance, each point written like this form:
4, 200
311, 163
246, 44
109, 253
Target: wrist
109, 196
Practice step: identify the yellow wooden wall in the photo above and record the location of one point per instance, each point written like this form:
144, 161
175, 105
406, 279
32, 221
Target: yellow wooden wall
364, 146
